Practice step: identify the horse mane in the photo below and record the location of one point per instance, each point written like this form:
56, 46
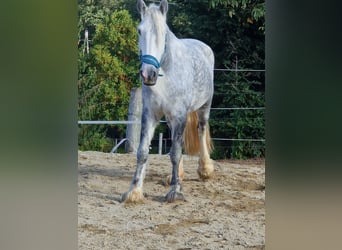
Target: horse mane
158, 20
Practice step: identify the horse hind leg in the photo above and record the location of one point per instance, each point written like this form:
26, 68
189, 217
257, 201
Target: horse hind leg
206, 166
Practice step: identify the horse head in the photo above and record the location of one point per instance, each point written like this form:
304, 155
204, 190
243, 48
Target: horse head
152, 39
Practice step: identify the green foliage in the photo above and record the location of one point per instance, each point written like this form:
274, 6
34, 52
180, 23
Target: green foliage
234, 29
93, 12
234, 90
249, 11
106, 76
94, 139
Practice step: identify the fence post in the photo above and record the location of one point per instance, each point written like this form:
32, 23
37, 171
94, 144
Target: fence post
160, 147
134, 114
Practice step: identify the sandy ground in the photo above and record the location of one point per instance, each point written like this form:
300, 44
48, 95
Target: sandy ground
225, 212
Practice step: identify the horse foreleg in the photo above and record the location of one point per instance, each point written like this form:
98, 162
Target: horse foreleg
135, 192
180, 172
177, 163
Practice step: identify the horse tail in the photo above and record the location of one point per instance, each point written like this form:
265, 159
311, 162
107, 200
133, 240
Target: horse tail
191, 139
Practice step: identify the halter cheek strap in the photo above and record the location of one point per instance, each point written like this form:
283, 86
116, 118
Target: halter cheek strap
148, 59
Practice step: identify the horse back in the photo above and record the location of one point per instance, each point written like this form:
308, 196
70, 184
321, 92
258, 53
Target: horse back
200, 50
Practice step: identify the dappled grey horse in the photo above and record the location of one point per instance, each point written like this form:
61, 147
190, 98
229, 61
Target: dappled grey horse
177, 76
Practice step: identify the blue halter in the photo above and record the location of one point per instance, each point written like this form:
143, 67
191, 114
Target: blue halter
148, 59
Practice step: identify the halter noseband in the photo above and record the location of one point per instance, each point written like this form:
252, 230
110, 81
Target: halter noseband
148, 59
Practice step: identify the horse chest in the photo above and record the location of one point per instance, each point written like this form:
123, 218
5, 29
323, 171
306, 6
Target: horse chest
164, 100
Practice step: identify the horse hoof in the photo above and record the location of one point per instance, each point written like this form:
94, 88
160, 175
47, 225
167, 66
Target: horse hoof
173, 196
204, 175
134, 196
205, 171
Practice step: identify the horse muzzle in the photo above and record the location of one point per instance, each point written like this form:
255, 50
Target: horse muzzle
149, 74
149, 70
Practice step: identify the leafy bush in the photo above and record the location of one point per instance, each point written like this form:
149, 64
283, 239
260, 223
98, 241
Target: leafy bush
234, 29
106, 76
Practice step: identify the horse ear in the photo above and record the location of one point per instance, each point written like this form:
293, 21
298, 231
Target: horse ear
164, 7
141, 7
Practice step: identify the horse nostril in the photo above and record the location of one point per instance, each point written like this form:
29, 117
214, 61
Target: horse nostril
143, 74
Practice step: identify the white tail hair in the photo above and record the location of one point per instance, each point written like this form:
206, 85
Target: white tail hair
191, 139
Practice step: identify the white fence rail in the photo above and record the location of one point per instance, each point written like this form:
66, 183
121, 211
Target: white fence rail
160, 135
109, 122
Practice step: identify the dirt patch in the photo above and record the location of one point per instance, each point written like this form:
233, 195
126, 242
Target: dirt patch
225, 212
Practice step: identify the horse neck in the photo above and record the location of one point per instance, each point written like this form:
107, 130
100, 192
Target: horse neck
170, 42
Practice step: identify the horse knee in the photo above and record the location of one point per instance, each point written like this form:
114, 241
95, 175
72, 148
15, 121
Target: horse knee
142, 156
